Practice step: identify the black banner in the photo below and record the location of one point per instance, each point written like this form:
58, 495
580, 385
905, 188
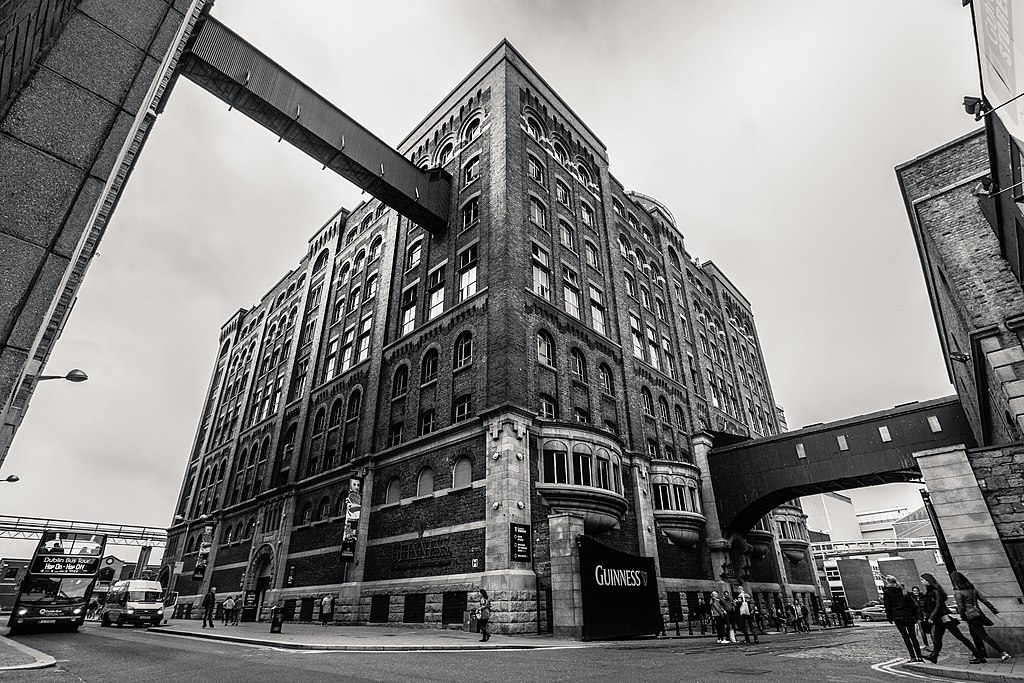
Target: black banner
519, 538
620, 593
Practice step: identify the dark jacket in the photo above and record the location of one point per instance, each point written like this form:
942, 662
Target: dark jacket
967, 602
935, 604
210, 599
899, 605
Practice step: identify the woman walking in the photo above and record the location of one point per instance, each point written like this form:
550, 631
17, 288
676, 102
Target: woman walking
901, 610
967, 599
936, 611
484, 616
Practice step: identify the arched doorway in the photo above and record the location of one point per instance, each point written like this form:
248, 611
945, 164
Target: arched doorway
164, 578
261, 576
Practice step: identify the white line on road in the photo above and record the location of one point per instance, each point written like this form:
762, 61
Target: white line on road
887, 667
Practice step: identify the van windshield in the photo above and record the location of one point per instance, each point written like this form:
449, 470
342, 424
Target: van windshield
145, 596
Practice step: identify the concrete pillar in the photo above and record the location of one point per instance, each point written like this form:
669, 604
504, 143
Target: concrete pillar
717, 543
647, 530
973, 541
566, 588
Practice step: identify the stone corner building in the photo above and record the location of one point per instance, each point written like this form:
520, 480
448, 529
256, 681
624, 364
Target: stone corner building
555, 359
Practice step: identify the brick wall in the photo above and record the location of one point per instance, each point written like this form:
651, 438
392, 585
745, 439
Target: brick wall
1000, 473
428, 556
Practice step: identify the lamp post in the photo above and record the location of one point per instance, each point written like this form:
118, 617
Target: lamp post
75, 376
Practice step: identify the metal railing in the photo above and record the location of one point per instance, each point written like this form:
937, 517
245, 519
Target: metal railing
117, 534
832, 549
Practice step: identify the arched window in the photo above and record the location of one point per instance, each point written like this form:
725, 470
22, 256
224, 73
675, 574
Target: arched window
534, 168
336, 410
428, 372
562, 193
357, 263
630, 285
607, 384
307, 514
394, 491
400, 383
250, 528
538, 214
578, 365
555, 463
446, 154
425, 482
364, 225
319, 421
355, 403
673, 258
663, 409
646, 401
624, 247
533, 128
471, 171
462, 472
640, 259
545, 349
462, 408
228, 534
680, 417
375, 249
559, 151
548, 407
321, 261
324, 510
583, 173
472, 130
426, 422
463, 350
343, 275
582, 466
351, 236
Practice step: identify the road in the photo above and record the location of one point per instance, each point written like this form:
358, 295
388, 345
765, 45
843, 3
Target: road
97, 655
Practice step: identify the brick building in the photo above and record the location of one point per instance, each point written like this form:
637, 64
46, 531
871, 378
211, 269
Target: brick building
554, 359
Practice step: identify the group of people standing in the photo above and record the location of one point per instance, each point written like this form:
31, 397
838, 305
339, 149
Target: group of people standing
232, 609
905, 609
731, 616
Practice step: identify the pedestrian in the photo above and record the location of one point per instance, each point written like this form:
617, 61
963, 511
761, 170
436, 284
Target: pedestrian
745, 616
758, 617
901, 610
229, 610
484, 616
718, 617
923, 623
967, 599
938, 614
209, 604
793, 617
730, 615
804, 613
326, 610
237, 611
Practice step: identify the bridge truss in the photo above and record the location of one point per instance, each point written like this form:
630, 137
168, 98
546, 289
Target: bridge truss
30, 528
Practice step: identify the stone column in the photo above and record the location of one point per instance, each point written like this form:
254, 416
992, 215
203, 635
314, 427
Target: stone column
646, 528
512, 586
971, 535
717, 543
566, 588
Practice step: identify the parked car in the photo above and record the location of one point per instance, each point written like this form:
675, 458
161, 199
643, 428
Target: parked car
873, 613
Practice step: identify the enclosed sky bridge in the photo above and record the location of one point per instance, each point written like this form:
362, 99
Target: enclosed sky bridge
224, 64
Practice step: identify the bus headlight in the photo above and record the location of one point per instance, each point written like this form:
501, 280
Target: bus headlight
130, 610
22, 612
77, 610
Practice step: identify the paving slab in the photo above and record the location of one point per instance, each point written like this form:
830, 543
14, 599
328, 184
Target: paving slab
14, 655
993, 671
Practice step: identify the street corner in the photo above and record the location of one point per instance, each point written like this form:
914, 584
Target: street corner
15, 656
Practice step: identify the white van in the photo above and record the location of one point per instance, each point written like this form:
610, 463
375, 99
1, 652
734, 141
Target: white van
134, 602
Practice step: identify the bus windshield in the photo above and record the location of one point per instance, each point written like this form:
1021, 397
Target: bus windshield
55, 591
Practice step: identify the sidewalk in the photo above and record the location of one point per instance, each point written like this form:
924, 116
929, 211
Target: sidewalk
992, 672
296, 636
14, 655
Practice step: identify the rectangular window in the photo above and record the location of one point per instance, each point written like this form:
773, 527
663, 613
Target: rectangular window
571, 292
541, 273
471, 171
435, 284
587, 215
470, 213
568, 235
537, 213
604, 477
597, 310
661, 497
408, 310
652, 349
679, 496
555, 467
534, 169
562, 193
347, 347
637, 336
363, 343
581, 469
467, 273
332, 359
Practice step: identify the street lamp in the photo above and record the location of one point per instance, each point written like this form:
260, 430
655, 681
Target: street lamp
11, 478
75, 375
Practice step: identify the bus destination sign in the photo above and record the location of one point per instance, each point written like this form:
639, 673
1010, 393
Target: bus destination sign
65, 565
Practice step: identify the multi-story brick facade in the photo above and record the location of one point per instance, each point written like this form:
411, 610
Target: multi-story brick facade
546, 361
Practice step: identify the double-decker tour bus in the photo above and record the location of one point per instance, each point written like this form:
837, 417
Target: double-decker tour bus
55, 592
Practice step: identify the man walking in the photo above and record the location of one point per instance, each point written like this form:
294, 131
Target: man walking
209, 604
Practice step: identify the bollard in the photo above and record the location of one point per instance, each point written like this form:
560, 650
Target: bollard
276, 619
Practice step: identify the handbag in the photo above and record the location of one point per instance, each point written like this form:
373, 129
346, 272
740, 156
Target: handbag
947, 619
974, 615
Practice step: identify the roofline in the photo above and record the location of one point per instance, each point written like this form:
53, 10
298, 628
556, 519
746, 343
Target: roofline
729, 282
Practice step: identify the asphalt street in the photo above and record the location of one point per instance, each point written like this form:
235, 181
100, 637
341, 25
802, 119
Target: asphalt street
97, 655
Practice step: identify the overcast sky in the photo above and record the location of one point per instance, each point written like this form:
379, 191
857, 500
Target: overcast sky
770, 129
